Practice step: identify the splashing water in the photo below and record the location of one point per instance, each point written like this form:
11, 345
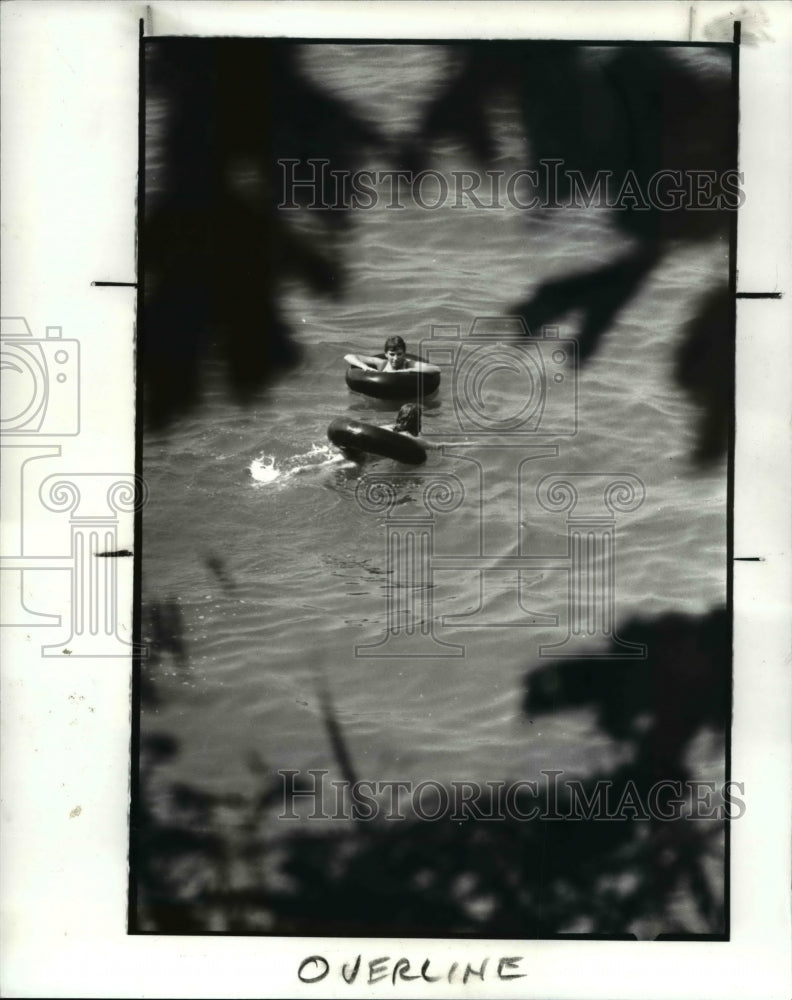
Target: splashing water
267, 469
263, 469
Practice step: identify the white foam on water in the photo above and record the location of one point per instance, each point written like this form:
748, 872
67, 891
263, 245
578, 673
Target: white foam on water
266, 469
263, 470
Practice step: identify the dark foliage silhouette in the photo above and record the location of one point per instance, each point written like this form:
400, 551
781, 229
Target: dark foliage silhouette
640, 110
658, 704
216, 248
226, 862
704, 368
217, 252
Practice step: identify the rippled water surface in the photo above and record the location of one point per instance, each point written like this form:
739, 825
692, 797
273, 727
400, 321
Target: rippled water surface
278, 573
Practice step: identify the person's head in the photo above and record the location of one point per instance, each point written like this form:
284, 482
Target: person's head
409, 419
395, 352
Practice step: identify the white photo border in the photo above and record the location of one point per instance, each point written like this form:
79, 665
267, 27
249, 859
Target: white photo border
70, 131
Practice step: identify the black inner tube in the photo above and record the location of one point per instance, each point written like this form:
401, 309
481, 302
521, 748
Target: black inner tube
354, 435
407, 385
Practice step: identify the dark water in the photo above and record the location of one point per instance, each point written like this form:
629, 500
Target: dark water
273, 572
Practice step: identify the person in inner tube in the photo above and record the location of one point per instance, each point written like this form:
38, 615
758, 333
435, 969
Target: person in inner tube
408, 422
395, 359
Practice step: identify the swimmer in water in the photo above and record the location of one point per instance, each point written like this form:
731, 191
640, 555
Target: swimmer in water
408, 422
395, 359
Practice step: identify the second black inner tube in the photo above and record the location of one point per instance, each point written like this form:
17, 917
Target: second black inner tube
358, 436
407, 385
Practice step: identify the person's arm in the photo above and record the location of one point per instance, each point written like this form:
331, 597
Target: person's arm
436, 445
364, 361
421, 366
429, 445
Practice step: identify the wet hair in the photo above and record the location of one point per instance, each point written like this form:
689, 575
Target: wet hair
409, 419
394, 344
